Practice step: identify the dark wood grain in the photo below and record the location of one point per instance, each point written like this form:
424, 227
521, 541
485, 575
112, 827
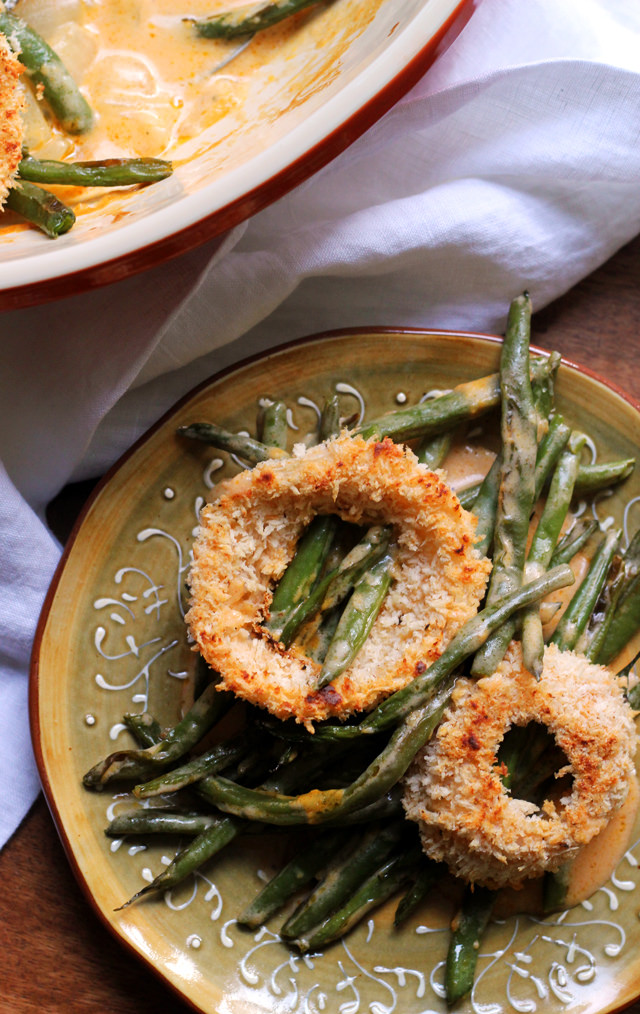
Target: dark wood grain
55, 955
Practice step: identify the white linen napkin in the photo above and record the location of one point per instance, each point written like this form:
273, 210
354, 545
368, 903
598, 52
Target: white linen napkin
513, 163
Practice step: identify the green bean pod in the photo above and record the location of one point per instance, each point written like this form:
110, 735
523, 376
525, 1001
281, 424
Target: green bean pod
517, 477
330, 418
377, 889
146, 729
47, 71
203, 847
272, 423
244, 446
216, 759
425, 877
303, 571
298, 872
152, 821
432, 451
249, 19
573, 542
40, 208
343, 875
593, 478
356, 621
576, 616
111, 172
329, 591
468, 928
542, 547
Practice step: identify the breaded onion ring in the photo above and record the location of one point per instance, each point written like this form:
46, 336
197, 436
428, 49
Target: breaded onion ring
11, 104
248, 536
454, 790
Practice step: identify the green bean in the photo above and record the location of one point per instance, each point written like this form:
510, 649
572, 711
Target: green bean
207, 844
111, 172
549, 450
296, 874
516, 498
575, 540
343, 875
464, 403
137, 764
331, 590
554, 889
330, 418
632, 693
303, 571
152, 821
48, 73
245, 447
485, 507
433, 450
576, 616
426, 875
469, 495
356, 621
592, 478
542, 547
543, 395
377, 889
216, 759
468, 927
272, 423
250, 18
40, 208
599, 623
625, 621
146, 729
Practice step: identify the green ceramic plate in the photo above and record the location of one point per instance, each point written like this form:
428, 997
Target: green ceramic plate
111, 640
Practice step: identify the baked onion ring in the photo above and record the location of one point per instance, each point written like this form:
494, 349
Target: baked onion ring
248, 535
454, 791
11, 104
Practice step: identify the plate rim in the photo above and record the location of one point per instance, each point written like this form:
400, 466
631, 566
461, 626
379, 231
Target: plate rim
103, 482
44, 286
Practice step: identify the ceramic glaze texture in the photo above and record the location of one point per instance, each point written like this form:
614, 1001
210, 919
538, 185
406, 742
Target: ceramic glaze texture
240, 137
112, 640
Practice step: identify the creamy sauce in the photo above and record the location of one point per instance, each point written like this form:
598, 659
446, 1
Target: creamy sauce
152, 82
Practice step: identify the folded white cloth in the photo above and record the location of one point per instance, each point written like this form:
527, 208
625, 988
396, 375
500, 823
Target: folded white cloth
513, 163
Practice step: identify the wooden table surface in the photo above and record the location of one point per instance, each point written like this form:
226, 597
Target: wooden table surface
54, 953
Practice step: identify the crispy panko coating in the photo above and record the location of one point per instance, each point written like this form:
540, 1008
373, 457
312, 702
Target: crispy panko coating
248, 535
11, 104
454, 791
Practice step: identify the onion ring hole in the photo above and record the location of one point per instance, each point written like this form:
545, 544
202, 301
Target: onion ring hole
455, 790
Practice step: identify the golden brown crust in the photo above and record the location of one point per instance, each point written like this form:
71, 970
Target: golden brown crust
11, 104
454, 790
249, 533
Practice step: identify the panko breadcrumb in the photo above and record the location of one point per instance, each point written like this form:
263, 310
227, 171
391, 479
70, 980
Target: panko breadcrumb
454, 791
11, 105
248, 535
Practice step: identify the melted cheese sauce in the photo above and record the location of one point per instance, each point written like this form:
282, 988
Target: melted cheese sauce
152, 83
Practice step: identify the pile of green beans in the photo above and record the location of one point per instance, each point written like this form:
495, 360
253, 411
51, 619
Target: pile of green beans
48, 74
347, 777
